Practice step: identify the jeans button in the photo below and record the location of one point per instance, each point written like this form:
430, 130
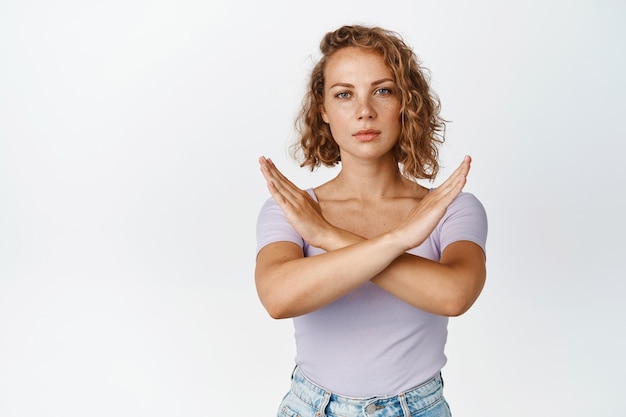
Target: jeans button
372, 408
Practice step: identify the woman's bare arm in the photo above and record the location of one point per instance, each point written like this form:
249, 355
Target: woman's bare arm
289, 284
448, 287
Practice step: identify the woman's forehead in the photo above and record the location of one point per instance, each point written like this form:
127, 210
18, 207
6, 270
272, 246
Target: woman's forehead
356, 63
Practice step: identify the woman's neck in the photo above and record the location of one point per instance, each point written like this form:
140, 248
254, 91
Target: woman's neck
370, 182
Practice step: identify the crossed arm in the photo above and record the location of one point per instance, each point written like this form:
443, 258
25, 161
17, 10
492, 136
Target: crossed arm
290, 285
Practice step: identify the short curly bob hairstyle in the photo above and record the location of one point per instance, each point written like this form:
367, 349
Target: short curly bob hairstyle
422, 129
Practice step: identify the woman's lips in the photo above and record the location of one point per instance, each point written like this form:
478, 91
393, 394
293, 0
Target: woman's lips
366, 135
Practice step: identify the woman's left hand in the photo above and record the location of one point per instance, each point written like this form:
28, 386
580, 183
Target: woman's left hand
301, 210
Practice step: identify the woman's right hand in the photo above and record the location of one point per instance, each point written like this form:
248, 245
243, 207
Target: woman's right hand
301, 210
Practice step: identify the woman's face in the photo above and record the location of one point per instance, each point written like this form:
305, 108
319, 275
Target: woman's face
361, 103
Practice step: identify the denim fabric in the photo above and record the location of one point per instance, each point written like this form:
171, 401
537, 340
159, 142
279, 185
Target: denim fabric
305, 399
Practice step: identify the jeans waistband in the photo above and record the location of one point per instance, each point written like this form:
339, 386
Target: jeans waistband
403, 404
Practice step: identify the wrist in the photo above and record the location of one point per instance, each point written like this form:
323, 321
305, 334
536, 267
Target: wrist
335, 238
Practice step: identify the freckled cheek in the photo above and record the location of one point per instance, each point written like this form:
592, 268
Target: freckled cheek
340, 116
387, 107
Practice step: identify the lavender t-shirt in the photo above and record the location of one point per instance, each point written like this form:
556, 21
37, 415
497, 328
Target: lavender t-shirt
369, 342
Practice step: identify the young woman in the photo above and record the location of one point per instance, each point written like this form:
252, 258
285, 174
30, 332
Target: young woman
369, 265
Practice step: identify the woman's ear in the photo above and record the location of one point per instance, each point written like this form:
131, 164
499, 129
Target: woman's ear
324, 114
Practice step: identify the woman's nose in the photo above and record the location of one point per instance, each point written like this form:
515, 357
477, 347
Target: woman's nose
365, 110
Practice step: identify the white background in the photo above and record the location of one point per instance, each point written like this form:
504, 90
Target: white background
129, 190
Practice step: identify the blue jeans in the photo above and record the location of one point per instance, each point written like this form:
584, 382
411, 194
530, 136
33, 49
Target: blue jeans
305, 399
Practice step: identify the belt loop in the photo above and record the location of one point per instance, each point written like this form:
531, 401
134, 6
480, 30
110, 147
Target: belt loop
404, 405
321, 411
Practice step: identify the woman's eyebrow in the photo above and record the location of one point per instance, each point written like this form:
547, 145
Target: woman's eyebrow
382, 81
348, 85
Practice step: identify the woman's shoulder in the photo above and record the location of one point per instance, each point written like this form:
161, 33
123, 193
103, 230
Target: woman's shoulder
466, 210
466, 198
466, 202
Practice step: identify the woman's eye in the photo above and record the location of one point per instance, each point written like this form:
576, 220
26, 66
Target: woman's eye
343, 94
383, 91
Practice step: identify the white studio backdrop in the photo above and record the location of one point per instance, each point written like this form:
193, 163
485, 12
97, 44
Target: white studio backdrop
129, 189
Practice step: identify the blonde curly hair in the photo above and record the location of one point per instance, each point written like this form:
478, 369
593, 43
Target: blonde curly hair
422, 128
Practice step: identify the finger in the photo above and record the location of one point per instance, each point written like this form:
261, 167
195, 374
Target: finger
283, 184
279, 175
457, 178
281, 189
461, 170
266, 171
445, 194
271, 172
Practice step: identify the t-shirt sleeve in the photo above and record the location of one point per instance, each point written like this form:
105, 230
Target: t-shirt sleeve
272, 226
466, 219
